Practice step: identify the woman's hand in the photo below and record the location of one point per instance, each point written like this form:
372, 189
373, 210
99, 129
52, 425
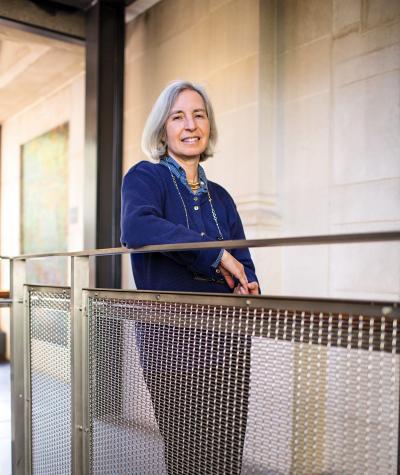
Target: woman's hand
252, 286
229, 266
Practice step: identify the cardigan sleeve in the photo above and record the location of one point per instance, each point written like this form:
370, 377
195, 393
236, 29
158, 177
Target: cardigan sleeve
142, 221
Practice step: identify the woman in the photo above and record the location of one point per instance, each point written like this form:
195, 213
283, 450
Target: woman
172, 201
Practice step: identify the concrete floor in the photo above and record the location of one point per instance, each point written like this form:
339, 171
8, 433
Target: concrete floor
5, 419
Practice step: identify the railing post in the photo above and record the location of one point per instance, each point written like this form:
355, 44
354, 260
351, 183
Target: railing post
19, 398
80, 279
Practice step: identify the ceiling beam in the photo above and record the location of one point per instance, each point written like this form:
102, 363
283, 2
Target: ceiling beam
26, 15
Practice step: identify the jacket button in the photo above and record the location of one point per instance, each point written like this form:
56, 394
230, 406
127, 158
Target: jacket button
217, 271
196, 208
195, 198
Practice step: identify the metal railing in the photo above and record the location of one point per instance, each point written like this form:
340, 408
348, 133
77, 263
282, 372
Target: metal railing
179, 383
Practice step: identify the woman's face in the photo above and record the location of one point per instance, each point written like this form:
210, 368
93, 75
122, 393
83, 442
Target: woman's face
187, 126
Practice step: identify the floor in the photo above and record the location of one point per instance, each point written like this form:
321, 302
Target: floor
5, 419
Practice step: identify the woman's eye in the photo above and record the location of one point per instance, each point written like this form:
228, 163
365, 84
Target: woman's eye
199, 116
176, 117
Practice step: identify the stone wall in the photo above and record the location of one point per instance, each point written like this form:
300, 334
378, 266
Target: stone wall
339, 142
307, 100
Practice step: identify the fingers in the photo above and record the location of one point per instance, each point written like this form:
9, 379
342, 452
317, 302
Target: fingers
252, 289
237, 290
227, 276
235, 268
243, 280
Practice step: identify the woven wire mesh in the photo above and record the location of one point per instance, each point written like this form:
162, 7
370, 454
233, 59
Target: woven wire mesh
178, 388
50, 360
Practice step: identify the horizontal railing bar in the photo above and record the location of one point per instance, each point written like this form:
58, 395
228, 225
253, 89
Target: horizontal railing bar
5, 302
321, 322
232, 244
366, 308
45, 288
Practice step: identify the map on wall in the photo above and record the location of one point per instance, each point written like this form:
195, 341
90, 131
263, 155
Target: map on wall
44, 205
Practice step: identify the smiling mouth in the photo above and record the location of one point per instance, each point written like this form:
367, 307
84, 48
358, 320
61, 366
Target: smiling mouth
191, 139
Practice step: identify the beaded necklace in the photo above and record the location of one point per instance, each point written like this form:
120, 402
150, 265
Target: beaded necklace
214, 214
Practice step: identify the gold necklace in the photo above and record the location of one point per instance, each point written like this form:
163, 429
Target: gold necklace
194, 185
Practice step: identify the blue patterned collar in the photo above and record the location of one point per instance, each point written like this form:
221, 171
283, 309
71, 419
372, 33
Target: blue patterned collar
180, 173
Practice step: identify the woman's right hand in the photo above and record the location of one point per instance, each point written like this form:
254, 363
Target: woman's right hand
231, 267
253, 289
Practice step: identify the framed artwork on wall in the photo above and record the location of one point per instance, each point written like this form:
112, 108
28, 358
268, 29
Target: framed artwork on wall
44, 205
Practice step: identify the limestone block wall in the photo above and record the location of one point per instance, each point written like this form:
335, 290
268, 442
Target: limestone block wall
303, 137
339, 142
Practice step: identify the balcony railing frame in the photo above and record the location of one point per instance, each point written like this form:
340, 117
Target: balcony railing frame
82, 279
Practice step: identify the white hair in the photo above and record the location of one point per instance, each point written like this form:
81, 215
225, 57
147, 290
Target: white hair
154, 134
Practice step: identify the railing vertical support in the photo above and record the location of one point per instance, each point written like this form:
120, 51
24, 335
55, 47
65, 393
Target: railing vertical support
80, 279
398, 416
18, 370
27, 381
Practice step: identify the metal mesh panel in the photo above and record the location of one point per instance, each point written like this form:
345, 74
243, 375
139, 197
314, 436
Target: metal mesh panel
50, 359
179, 388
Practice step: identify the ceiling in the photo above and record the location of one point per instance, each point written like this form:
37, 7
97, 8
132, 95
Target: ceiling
85, 4
73, 4
33, 66
133, 8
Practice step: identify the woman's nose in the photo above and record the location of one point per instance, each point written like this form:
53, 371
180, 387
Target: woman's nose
190, 124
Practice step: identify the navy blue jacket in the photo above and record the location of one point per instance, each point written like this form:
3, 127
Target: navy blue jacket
153, 213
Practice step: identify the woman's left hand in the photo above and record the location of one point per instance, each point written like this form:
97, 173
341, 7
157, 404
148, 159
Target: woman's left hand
252, 286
